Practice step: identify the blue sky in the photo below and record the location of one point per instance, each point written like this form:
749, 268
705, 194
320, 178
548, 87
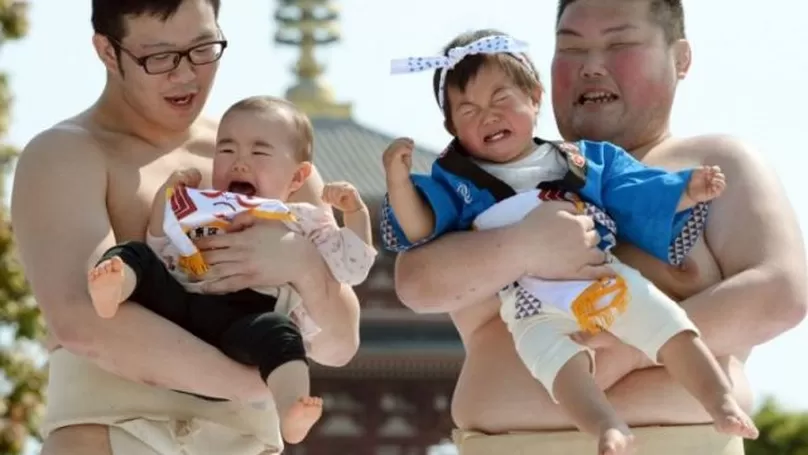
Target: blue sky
748, 79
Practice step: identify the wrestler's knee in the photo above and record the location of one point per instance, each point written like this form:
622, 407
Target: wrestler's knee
78, 440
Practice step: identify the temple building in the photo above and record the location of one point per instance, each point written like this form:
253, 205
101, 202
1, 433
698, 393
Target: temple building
393, 398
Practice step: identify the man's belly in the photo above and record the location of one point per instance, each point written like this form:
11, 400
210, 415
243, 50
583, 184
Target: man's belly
495, 393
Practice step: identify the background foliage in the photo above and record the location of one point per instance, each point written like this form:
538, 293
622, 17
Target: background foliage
20, 323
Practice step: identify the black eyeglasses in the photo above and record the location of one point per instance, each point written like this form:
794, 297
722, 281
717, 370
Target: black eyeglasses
163, 62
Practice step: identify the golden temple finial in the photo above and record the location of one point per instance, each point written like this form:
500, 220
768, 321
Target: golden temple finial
307, 24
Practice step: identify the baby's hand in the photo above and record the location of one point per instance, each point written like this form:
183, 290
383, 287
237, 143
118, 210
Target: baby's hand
397, 160
190, 177
343, 196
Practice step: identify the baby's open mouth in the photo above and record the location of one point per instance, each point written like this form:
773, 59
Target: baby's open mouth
245, 188
497, 136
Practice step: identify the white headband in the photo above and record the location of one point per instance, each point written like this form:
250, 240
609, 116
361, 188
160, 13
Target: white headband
496, 44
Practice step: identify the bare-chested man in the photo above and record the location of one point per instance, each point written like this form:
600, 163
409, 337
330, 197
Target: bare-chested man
615, 71
87, 183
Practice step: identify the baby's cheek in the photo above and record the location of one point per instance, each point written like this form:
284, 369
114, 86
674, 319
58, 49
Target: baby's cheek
468, 137
218, 181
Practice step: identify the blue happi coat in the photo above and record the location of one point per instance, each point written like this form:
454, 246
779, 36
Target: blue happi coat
628, 200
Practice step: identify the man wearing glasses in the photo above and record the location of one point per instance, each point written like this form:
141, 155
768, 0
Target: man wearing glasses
87, 183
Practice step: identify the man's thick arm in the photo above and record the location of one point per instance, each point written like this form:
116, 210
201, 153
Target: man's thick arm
462, 269
455, 270
333, 306
755, 237
61, 227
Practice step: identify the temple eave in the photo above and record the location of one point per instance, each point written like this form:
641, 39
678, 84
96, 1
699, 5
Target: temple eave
385, 365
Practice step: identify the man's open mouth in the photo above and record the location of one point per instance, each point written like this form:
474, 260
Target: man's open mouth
180, 101
600, 97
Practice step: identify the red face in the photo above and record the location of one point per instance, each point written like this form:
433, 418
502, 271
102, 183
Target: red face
614, 74
493, 118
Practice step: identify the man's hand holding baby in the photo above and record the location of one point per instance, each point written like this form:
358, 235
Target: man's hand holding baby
247, 256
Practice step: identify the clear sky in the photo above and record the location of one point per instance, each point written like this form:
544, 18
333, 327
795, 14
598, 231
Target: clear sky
748, 79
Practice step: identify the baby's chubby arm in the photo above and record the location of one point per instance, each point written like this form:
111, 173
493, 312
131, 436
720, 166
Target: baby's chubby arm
414, 215
344, 197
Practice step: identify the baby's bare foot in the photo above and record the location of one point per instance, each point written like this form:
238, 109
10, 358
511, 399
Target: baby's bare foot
729, 418
105, 282
615, 441
300, 418
706, 183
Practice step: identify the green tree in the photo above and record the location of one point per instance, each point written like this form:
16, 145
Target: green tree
781, 432
20, 321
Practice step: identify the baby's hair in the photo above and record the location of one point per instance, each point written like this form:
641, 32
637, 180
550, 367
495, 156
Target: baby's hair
525, 77
304, 137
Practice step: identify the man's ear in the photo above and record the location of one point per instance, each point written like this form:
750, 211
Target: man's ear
683, 57
106, 53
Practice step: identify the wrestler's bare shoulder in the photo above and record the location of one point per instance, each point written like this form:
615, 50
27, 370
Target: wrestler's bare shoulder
82, 134
66, 142
712, 149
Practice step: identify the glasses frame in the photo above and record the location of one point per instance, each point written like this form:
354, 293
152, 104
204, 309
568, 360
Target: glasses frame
187, 53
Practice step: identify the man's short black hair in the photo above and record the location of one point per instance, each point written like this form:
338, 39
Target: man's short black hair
108, 15
668, 14
525, 77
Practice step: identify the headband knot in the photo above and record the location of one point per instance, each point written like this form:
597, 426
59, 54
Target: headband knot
496, 44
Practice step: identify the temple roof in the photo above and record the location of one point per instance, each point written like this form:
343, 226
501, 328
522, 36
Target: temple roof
426, 337
402, 357
386, 366
347, 150
343, 148
393, 340
403, 349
